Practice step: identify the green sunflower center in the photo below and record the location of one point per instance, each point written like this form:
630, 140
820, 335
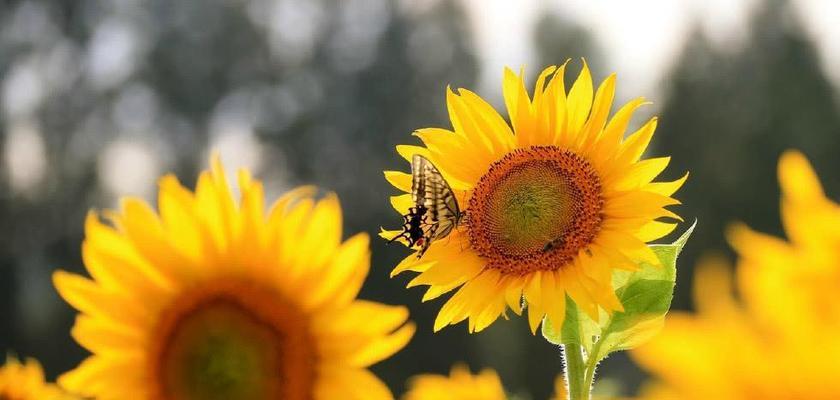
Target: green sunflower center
532, 206
231, 341
535, 209
219, 352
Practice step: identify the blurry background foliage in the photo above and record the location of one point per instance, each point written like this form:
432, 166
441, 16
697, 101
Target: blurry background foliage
99, 98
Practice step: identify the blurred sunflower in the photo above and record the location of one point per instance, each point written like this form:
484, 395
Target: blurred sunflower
26, 382
459, 385
553, 203
780, 341
560, 391
212, 299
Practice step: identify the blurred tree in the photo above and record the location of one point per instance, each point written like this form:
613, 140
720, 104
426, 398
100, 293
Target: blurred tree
728, 117
557, 39
323, 90
345, 140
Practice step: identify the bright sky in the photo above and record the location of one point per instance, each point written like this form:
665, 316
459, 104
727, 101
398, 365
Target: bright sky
641, 38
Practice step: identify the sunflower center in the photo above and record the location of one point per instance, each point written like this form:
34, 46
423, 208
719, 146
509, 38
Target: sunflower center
535, 209
236, 341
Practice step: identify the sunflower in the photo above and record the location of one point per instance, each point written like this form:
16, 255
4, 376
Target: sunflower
462, 385
560, 391
26, 382
554, 202
779, 341
459, 385
217, 299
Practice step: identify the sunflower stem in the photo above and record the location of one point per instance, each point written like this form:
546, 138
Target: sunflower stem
592, 364
579, 387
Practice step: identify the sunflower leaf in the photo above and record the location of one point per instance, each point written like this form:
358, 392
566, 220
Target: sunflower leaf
646, 296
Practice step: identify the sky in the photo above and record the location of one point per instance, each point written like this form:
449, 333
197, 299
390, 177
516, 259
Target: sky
640, 38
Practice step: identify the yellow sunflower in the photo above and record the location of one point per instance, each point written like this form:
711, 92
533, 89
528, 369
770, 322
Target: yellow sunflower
560, 391
780, 340
459, 385
217, 299
553, 202
26, 382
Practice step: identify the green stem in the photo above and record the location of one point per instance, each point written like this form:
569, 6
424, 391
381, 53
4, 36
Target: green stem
591, 365
576, 373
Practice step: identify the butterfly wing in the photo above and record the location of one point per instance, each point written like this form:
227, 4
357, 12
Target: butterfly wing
430, 190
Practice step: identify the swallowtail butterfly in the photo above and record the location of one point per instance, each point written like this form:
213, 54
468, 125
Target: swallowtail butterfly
435, 213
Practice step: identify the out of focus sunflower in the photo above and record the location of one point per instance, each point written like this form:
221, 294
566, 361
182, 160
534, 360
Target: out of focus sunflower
553, 202
25, 381
780, 340
462, 385
560, 391
459, 385
217, 299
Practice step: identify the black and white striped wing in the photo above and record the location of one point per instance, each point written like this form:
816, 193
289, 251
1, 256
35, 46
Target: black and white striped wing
430, 190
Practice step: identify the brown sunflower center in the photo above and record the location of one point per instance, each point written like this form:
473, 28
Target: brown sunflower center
233, 340
535, 209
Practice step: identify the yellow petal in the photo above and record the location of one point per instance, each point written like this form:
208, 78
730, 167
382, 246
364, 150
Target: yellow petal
399, 180
713, 288
382, 348
640, 173
535, 316
635, 145
639, 203
598, 117
90, 298
654, 230
538, 129
613, 133
407, 152
666, 188
580, 100
466, 126
402, 203
797, 178
350, 384
102, 337
457, 268
517, 101
554, 299
489, 121
341, 281
115, 264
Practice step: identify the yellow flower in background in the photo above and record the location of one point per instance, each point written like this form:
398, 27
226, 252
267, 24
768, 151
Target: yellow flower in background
780, 341
459, 385
560, 391
26, 382
552, 204
462, 385
218, 299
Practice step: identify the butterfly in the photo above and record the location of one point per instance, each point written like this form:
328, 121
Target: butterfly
435, 213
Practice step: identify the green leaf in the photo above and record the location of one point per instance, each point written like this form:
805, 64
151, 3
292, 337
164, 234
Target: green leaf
646, 296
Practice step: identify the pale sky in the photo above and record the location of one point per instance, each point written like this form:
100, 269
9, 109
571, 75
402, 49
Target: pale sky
640, 38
